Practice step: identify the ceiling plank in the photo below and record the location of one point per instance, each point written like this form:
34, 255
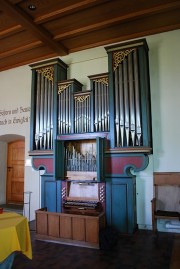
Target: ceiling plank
10, 31
27, 57
128, 30
67, 9
20, 49
26, 21
96, 24
57, 27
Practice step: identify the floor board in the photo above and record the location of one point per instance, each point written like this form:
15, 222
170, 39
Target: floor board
138, 251
175, 258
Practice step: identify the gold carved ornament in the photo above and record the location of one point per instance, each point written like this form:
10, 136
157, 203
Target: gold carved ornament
119, 56
81, 98
102, 80
47, 72
61, 88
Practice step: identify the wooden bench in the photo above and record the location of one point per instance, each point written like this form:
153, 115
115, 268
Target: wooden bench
166, 201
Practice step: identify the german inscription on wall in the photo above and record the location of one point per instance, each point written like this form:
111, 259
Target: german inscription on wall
18, 115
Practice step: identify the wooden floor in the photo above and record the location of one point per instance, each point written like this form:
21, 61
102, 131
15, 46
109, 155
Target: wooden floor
139, 251
175, 257
12, 208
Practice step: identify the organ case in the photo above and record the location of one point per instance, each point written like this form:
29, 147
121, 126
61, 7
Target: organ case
115, 110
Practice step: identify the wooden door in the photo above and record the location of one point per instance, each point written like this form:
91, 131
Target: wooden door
15, 172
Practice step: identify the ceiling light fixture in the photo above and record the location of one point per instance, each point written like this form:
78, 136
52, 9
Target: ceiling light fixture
32, 7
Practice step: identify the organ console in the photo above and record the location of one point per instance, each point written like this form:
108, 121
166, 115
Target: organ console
83, 197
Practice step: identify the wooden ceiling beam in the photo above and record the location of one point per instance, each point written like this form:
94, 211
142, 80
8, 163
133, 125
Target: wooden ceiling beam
79, 5
10, 31
26, 57
20, 49
129, 30
37, 30
161, 8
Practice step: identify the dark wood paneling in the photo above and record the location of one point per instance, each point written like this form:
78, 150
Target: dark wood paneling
57, 27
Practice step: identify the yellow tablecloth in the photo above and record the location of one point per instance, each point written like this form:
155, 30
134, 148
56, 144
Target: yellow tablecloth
14, 235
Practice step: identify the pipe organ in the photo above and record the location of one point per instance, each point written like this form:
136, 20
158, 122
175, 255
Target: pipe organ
90, 140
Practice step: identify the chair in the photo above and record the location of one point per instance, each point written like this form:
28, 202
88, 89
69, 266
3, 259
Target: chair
166, 201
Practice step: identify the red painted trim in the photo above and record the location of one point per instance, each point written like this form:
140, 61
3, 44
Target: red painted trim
117, 165
47, 163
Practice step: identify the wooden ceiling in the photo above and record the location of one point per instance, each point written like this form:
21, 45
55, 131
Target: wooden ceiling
59, 27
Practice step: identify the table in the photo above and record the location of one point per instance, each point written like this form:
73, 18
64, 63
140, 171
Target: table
14, 237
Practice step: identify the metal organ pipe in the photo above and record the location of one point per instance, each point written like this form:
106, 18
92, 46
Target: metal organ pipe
64, 109
75, 116
102, 97
99, 107
126, 100
96, 107
48, 115
117, 107
44, 109
105, 108
45, 113
137, 98
107, 102
131, 98
76, 161
52, 109
121, 103
69, 109
82, 113
37, 112
79, 107
101, 100
41, 111
82, 116
59, 114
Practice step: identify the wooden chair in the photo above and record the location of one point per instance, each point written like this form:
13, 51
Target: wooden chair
166, 201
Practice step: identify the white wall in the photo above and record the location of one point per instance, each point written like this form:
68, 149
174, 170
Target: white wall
3, 171
15, 89
164, 59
